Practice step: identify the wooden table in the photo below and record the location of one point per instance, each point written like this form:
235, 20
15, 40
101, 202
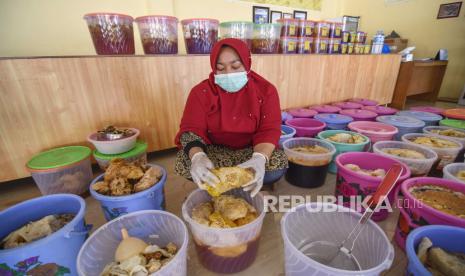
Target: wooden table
419, 80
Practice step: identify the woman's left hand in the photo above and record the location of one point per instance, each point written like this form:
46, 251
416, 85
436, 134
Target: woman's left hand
257, 163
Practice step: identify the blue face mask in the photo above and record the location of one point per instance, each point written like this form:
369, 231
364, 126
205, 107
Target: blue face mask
232, 82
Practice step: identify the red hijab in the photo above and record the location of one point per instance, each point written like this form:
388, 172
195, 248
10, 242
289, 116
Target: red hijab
236, 120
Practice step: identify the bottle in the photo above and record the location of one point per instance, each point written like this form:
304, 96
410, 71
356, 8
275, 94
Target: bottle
378, 42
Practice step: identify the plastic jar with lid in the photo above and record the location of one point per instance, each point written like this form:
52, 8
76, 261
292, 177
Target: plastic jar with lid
289, 27
322, 29
366, 49
158, 34
266, 38
360, 37
350, 48
344, 48
306, 28
335, 30
352, 37
334, 46
200, 34
320, 45
242, 30
345, 36
288, 45
305, 45
359, 48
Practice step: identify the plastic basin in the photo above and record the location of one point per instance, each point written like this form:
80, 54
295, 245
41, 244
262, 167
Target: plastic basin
342, 147
350, 183
225, 250
290, 132
114, 146
374, 130
200, 34
430, 119
158, 34
319, 221
137, 154
155, 227
115, 206
359, 114
418, 167
326, 108
302, 112
57, 251
306, 127
450, 171
404, 124
348, 105
334, 121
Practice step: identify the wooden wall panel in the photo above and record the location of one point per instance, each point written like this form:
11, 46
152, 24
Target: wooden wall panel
50, 102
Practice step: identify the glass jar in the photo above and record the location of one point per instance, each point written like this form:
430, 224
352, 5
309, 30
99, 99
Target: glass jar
288, 45
289, 27
305, 45
266, 38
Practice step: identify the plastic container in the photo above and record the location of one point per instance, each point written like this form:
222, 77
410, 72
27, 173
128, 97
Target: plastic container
326, 108
334, 46
404, 124
348, 105
350, 183
381, 110
453, 123
450, 171
159, 34
418, 167
445, 155
365, 102
430, 119
455, 113
302, 112
320, 45
307, 170
335, 30
288, 45
62, 170
374, 130
361, 37
350, 48
242, 30
322, 29
344, 48
442, 236
111, 33
266, 38
57, 251
359, 114
285, 116
325, 221
431, 109
289, 27
352, 37
290, 132
306, 127
114, 146
114, 206
359, 48
200, 34
334, 121
225, 250
137, 154
306, 28
366, 49
429, 130
345, 36
342, 147
305, 45
156, 227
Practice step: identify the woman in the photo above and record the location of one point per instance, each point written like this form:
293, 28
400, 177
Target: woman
231, 119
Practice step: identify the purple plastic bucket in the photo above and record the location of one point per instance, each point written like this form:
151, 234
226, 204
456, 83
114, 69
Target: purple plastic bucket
430, 109
302, 112
306, 127
404, 226
381, 110
350, 183
326, 108
374, 130
365, 102
359, 114
348, 105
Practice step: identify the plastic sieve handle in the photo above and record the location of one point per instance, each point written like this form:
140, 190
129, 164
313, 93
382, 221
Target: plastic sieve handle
386, 186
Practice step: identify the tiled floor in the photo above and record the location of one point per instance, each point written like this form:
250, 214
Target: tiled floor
270, 259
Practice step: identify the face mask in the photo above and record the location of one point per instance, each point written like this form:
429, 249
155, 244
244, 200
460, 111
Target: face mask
232, 82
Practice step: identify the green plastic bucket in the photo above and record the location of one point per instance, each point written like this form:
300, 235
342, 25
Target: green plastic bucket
453, 123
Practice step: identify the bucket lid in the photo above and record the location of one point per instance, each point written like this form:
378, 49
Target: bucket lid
95, 14
331, 118
157, 17
421, 115
364, 101
400, 121
302, 112
326, 108
190, 20
139, 148
348, 105
381, 110
455, 113
431, 109
453, 123
228, 23
359, 113
58, 157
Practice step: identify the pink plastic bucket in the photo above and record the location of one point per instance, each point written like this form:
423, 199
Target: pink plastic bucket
348, 105
359, 114
350, 183
302, 112
404, 226
374, 130
306, 127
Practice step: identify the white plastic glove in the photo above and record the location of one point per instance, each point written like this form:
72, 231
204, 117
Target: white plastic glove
200, 170
257, 163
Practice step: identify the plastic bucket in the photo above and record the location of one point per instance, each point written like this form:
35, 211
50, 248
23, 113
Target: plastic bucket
404, 226
57, 251
348, 105
334, 121
306, 127
290, 132
225, 250
404, 124
350, 183
200, 34
374, 130
326, 109
158, 34
381, 110
137, 154
115, 206
359, 114
430, 130
453, 123
445, 237
430, 119
418, 167
285, 116
342, 147
302, 112
431, 109
450, 171
154, 227
309, 222
365, 102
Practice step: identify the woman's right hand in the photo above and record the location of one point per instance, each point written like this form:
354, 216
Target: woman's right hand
200, 170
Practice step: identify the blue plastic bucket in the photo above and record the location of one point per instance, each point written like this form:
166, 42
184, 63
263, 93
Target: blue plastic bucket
290, 132
56, 252
449, 238
430, 119
404, 124
334, 121
115, 206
